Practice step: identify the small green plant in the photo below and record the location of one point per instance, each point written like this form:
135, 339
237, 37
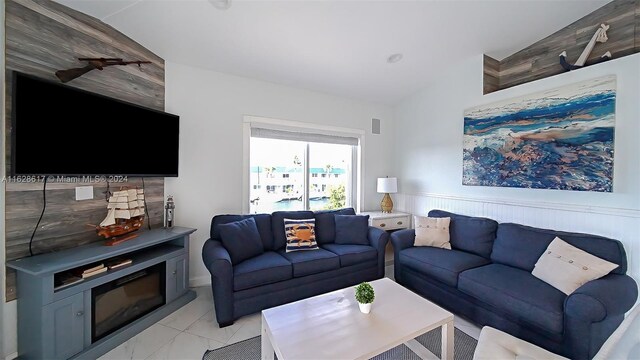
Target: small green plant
365, 293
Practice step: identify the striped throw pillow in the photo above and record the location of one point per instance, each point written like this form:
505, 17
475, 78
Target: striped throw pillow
301, 234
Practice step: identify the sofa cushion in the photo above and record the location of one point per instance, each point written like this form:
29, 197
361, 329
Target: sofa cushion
495, 344
440, 264
241, 239
277, 225
352, 229
266, 268
521, 246
471, 234
516, 293
432, 231
326, 224
263, 222
301, 234
352, 254
311, 262
566, 268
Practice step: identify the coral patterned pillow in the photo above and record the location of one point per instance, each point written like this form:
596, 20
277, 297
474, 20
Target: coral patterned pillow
301, 234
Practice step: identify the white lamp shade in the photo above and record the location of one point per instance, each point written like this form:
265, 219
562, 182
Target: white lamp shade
387, 185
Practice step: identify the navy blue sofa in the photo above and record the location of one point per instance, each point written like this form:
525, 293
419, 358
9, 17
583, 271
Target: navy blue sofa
276, 277
487, 278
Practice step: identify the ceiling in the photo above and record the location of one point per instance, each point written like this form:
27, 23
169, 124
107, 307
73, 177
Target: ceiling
337, 47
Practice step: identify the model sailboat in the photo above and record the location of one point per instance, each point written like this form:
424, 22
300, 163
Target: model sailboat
125, 215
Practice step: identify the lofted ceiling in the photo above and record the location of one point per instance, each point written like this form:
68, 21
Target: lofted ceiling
337, 47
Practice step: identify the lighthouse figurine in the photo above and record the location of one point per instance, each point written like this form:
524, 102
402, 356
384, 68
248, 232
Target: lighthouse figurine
168, 212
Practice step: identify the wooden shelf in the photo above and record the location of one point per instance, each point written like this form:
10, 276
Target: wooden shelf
541, 59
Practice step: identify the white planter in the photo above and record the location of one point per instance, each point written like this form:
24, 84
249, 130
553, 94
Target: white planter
365, 308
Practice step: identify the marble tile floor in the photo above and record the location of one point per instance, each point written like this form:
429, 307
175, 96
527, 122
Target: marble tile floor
190, 331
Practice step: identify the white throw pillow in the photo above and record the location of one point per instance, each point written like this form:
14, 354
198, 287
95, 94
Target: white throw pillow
566, 268
432, 232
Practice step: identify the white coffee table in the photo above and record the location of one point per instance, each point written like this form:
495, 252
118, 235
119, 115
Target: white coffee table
330, 326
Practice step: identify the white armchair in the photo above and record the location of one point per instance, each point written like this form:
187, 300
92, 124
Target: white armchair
624, 343
494, 344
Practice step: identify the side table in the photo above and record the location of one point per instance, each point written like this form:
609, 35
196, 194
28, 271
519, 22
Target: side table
388, 222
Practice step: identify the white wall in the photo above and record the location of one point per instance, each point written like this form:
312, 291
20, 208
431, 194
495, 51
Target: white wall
429, 137
211, 106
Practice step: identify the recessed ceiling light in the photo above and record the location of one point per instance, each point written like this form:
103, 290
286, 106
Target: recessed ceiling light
221, 4
394, 58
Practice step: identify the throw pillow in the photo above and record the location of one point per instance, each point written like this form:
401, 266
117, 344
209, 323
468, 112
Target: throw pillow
241, 239
352, 229
326, 224
432, 232
566, 268
301, 234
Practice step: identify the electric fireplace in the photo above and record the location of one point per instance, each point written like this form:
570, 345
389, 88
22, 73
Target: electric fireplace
122, 301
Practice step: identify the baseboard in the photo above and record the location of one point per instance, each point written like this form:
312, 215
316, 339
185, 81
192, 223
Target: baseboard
12, 356
200, 281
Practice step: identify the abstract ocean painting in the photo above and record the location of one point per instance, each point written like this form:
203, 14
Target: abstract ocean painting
557, 139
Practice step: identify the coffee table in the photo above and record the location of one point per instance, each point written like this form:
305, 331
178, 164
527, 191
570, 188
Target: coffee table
330, 326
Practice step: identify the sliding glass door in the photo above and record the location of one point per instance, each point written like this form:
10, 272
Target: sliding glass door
298, 175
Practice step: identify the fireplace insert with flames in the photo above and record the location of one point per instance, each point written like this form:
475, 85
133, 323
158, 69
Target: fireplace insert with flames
121, 301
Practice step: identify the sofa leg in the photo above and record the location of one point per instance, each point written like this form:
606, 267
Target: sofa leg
225, 324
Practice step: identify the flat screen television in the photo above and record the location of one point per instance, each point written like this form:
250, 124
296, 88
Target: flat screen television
63, 131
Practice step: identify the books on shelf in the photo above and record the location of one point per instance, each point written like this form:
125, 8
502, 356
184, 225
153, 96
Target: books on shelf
65, 279
94, 273
68, 278
117, 263
90, 271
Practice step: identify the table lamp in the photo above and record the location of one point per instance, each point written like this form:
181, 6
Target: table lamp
385, 186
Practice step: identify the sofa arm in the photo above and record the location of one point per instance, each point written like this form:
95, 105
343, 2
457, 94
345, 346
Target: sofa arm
379, 239
216, 258
594, 311
218, 261
608, 296
402, 239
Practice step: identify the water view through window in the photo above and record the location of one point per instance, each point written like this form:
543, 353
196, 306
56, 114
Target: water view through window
285, 175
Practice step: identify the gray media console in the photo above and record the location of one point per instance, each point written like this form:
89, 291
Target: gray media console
62, 317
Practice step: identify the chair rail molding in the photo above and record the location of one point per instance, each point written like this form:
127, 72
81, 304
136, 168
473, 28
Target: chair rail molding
594, 209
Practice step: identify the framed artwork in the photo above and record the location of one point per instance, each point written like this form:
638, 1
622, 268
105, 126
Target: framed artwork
556, 139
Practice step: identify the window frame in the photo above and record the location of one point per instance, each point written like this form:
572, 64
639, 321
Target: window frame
357, 161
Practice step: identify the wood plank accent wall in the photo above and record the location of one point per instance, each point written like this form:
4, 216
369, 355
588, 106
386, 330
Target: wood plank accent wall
43, 36
541, 59
491, 74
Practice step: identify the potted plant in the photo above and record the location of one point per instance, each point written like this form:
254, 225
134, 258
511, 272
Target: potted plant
365, 296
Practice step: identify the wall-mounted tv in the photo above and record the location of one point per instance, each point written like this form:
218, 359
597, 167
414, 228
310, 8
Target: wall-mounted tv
60, 130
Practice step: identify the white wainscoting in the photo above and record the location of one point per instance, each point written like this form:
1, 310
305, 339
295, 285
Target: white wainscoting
620, 224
